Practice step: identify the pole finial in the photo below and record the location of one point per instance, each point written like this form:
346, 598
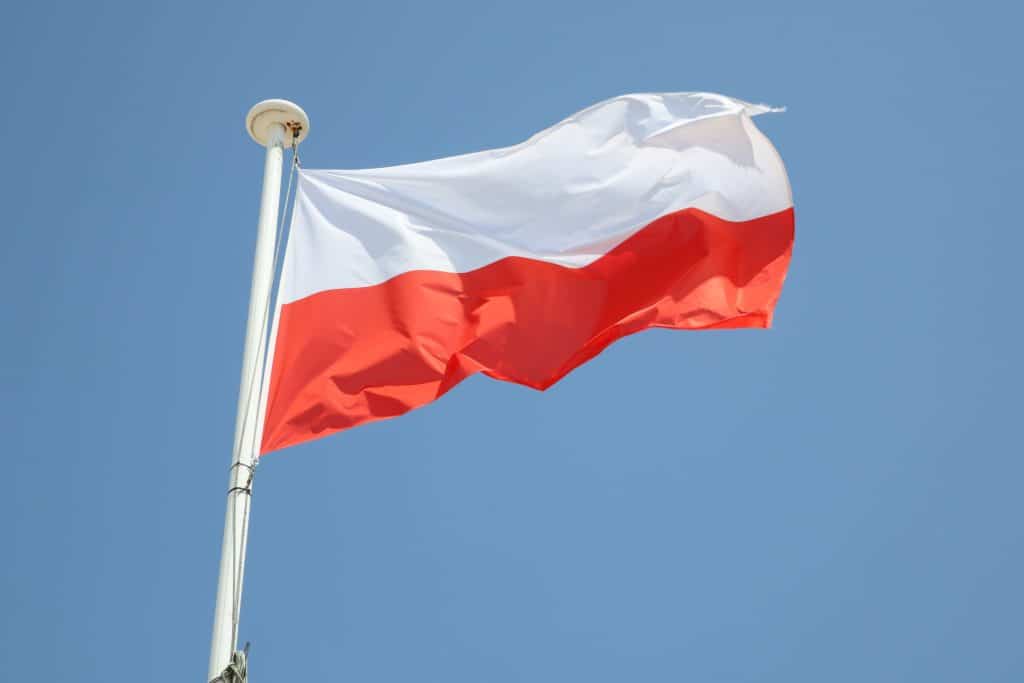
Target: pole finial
268, 112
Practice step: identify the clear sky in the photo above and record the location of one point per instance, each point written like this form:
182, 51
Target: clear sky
837, 499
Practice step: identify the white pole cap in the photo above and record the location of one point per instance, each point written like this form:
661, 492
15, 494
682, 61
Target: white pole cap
268, 112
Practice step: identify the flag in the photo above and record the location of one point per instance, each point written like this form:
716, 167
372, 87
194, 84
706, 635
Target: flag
656, 210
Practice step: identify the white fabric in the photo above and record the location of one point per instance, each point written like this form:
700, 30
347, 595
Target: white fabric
567, 195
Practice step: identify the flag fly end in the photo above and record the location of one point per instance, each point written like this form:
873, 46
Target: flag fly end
262, 117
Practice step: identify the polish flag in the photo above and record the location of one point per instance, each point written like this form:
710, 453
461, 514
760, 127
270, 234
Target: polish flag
658, 210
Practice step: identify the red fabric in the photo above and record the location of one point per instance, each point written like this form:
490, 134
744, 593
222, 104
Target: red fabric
348, 356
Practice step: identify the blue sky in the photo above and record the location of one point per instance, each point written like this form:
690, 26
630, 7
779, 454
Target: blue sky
835, 499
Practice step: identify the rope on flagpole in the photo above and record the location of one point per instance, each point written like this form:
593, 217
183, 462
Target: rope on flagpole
256, 390
237, 671
250, 412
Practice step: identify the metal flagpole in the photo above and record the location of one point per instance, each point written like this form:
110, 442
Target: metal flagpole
276, 124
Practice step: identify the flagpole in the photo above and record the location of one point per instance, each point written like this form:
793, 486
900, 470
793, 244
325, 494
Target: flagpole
275, 124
